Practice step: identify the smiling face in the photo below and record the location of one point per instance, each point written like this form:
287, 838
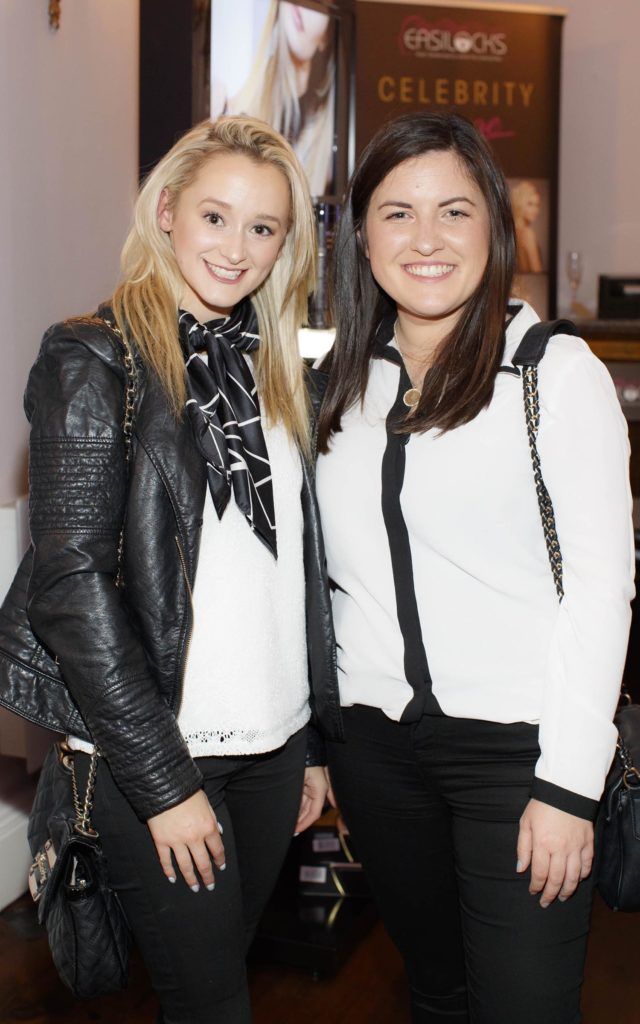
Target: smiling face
305, 30
227, 230
426, 236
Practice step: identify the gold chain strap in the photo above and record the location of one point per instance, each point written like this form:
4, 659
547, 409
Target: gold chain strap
83, 807
130, 393
532, 414
82, 823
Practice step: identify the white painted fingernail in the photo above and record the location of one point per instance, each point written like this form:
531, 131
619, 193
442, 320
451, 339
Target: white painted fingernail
519, 866
295, 835
195, 888
211, 886
220, 828
223, 867
171, 878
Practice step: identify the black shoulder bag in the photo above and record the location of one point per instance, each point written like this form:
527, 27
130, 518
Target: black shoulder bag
617, 863
86, 926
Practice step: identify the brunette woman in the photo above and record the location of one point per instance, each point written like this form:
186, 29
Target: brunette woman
477, 708
192, 678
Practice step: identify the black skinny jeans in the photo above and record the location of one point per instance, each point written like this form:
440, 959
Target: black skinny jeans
433, 809
194, 944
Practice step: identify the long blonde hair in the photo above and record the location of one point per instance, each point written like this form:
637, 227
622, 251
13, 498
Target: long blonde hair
520, 196
146, 302
270, 93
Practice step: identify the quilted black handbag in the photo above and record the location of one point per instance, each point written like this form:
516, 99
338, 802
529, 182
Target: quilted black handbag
86, 926
618, 826
617, 864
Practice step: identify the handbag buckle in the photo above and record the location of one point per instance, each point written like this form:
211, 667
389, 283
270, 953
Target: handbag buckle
65, 755
85, 830
631, 778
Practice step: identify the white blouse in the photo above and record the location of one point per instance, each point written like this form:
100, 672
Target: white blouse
499, 645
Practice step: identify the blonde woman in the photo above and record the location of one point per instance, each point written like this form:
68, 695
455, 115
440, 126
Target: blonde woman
292, 86
192, 678
525, 203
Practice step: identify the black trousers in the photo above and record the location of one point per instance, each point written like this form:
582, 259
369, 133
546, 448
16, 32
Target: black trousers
194, 944
433, 809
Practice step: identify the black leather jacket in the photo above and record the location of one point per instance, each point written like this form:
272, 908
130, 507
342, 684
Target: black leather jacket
122, 652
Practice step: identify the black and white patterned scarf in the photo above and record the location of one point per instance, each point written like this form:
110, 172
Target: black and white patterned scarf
223, 407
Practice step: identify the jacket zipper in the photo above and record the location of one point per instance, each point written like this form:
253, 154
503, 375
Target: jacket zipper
314, 464
183, 563
314, 443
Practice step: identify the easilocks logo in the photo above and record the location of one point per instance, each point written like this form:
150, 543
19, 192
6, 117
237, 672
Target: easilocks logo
449, 39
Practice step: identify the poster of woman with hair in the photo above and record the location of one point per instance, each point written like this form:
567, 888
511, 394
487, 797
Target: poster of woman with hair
530, 206
280, 66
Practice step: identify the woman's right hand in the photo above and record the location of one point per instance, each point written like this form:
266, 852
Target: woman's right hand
190, 830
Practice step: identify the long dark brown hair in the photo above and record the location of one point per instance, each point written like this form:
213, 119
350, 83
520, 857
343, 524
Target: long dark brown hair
460, 381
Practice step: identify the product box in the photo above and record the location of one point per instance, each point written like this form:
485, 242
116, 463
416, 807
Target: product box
328, 865
618, 298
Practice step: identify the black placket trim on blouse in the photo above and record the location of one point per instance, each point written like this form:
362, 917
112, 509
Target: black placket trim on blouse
416, 666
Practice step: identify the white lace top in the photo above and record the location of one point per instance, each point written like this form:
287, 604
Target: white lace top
246, 683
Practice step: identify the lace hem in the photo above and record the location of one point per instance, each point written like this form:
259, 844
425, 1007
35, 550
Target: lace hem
233, 742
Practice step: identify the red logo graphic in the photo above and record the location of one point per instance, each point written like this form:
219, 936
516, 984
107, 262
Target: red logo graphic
492, 129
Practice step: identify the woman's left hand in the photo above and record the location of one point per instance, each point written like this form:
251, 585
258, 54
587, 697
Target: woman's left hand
314, 794
559, 848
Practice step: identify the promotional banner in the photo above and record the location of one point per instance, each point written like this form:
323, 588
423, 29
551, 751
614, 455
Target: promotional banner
500, 68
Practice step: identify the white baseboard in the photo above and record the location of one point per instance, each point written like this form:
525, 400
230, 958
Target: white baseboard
14, 854
14, 539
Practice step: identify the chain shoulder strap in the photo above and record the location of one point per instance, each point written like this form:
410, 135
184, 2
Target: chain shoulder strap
82, 808
532, 414
131, 387
130, 395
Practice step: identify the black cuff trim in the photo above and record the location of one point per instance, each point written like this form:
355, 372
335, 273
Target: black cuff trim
564, 799
316, 755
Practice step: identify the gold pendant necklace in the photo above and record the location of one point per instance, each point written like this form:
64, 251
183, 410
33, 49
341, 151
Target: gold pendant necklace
412, 395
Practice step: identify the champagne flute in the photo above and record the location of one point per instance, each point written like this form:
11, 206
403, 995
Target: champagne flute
574, 273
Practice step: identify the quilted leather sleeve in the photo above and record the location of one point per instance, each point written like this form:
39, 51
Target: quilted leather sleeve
77, 481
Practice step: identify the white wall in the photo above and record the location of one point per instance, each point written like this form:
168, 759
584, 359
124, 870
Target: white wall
599, 141
68, 173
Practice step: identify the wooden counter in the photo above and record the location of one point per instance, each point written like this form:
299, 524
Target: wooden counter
615, 340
